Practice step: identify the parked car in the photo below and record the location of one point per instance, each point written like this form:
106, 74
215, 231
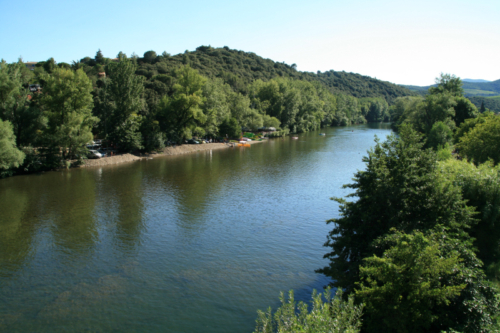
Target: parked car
193, 142
94, 154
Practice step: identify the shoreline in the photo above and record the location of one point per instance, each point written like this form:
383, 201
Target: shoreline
167, 151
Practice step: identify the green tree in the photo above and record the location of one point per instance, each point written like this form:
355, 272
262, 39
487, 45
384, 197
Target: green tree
67, 103
447, 83
125, 91
482, 142
480, 186
332, 315
216, 105
230, 128
469, 124
400, 189
10, 156
483, 108
99, 57
405, 288
150, 56
15, 105
464, 109
439, 136
181, 115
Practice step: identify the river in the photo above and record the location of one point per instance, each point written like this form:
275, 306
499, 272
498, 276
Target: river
190, 243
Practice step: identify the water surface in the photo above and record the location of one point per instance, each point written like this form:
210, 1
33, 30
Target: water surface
190, 243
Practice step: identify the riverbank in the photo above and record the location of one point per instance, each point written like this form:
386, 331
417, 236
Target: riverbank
167, 151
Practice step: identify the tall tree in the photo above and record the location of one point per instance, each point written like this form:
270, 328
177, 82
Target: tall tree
181, 114
125, 90
99, 57
67, 103
16, 105
448, 83
482, 142
10, 156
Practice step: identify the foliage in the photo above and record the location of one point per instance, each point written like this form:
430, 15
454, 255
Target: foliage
239, 69
125, 91
400, 189
444, 103
469, 124
482, 142
444, 152
181, 114
230, 128
492, 104
425, 281
439, 136
464, 109
447, 83
10, 156
15, 105
404, 287
332, 315
480, 186
67, 104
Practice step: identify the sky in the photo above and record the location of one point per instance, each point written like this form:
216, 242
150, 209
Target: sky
404, 42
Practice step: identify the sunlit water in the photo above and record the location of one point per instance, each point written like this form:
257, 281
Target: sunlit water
191, 243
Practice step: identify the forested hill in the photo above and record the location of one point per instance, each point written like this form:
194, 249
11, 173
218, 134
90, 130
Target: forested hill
239, 68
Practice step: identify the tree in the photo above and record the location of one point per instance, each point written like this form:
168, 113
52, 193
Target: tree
405, 287
400, 189
439, 136
464, 109
216, 104
67, 103
10, 156
15, 103
470, 123
482, 142
333, 316
230, 128
150, 56
483, 108
480, 186
447, 83
125, 90
181, 115
99, 57
426, 281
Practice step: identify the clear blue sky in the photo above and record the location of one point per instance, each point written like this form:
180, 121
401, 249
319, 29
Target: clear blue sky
398, 41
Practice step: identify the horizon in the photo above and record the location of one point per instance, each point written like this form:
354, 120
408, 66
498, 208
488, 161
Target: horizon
386, 40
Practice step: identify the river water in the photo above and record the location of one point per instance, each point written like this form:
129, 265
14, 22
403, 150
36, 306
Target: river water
190, 243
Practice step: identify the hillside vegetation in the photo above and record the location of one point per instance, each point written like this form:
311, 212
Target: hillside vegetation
471, 89
239, 68
144, 103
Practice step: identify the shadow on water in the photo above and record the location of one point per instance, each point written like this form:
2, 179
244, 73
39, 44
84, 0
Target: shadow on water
193, 243
121, 205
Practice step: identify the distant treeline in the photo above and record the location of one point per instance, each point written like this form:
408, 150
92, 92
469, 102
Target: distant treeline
141, 103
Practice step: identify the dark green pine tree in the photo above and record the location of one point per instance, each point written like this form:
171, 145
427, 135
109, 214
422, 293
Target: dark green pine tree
482, 109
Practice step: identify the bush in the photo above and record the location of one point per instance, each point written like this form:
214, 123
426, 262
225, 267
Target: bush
334, 315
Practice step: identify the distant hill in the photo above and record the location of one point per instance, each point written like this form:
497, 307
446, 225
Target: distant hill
239, 68
475, 81
492, 103
483, 88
